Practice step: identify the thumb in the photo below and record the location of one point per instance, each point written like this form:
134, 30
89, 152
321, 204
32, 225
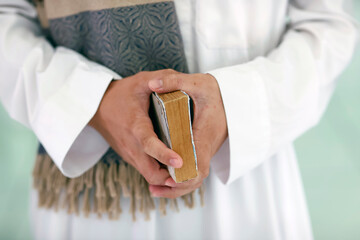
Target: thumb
172, 82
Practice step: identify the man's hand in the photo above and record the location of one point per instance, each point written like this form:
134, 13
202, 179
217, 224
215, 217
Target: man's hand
123, 120
209, 126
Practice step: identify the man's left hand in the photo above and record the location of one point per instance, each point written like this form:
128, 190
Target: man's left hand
209, 125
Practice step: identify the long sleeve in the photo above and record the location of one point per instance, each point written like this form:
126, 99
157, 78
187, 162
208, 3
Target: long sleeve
272, 100
53, 91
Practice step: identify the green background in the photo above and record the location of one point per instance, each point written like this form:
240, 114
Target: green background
329, 159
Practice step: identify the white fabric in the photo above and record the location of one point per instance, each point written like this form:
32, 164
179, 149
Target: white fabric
276, 63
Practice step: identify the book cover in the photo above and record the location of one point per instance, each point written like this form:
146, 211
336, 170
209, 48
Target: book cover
172, 123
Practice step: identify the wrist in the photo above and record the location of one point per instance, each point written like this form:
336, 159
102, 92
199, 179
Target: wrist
96, 119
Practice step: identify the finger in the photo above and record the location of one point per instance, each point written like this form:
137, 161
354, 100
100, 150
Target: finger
151, 170
174, 81
167, 192
158, 150
145, 76
154, 147
147, 166
170, 192
171, 183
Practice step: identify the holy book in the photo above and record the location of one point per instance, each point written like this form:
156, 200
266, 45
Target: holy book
172, 123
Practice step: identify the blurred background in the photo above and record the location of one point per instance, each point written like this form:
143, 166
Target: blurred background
328, 155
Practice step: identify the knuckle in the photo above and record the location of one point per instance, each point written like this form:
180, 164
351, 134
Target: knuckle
138, 130
167, 78
174, 80
179, 82
169, 71
161, 155
147, 143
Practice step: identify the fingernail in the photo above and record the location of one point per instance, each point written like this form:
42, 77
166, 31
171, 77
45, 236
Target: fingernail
176, 163
156, 84
169, 183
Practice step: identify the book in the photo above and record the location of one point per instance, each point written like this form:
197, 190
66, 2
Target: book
172, 123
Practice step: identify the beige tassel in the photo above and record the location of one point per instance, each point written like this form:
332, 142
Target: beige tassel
162, 206
44, 173
100, 192
50, 194
201, 193
136, 180
53, 185
131, 178
74, 188
114, 205
192, 199
59, 183
37, 171
103, 185
174, 205
110, 180
186, 200
89, 183
123, 179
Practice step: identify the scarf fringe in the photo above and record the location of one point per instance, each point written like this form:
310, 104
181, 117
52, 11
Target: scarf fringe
103, 185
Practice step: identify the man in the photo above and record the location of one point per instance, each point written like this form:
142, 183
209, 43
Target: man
260, 75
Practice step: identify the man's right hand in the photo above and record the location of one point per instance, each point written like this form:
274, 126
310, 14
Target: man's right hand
123, 120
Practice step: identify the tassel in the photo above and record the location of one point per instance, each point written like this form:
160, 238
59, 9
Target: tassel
100, 192
101, 188
131, 176
44, 173
74, 188
186, 200
174, 205
59, 183
201, 193
192, 200
162, 206
89, 182
123, 179
37, 171
114, 192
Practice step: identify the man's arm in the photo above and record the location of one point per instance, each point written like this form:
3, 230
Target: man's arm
282, 95
53, 91
57, 92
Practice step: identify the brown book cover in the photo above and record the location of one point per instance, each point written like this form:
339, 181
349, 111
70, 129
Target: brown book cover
172, 122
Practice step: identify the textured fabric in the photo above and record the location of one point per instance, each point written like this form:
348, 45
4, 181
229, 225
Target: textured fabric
125, 39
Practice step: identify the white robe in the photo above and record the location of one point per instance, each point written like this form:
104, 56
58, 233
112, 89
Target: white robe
276, 63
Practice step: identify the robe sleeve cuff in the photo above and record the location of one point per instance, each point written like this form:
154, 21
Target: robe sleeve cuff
246, 108
62, 122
